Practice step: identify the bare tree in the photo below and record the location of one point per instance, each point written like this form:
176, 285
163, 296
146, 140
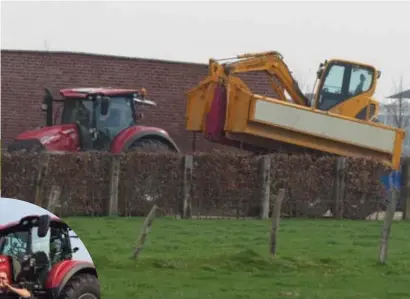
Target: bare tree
398, 106
304, 85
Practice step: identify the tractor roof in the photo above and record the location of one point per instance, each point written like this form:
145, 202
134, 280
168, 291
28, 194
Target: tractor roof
16, 223
84, 92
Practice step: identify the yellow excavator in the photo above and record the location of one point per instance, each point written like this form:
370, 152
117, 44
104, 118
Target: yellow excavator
341, 118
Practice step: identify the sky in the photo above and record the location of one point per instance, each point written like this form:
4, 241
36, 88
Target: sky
305, 33
13, 210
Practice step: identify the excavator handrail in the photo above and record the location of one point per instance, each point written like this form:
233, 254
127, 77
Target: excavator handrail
249, 55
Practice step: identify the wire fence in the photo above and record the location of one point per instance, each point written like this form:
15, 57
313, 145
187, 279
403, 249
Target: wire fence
223, 185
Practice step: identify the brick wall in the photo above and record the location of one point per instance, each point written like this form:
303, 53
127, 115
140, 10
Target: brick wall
24, 74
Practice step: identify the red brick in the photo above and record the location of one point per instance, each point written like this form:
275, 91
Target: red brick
26, 73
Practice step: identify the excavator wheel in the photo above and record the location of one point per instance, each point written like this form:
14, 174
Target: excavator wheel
150, 145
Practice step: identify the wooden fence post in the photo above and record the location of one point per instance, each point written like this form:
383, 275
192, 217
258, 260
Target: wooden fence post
54, 199
266, 182
276, 220
114, 184
341, 165
405, 190
41, 174
186, 187
146, 228
388, 219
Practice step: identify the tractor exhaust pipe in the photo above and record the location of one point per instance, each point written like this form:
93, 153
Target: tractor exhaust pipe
47, 107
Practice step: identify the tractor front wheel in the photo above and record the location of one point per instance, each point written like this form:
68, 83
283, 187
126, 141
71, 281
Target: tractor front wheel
28, 146
150, 145
81, 286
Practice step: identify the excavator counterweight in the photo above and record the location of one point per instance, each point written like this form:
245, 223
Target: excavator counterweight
338, 121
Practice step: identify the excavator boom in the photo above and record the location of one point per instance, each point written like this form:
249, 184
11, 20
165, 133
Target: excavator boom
273, 64
226, 111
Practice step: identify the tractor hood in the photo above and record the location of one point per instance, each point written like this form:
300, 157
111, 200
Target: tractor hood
45, 134
58, 137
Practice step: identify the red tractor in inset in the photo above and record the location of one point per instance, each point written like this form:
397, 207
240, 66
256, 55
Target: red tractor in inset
36, 254
95, 119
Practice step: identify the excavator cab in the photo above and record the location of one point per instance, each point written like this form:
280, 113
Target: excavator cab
347, 88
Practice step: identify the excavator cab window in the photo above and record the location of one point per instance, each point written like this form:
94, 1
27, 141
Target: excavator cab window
331, 92
360, 81
342, 81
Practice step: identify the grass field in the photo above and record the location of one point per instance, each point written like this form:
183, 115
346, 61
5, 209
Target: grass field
229, 259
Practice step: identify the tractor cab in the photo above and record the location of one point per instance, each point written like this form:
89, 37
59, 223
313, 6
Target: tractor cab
94, 119
36, 253
99, 113
32, 247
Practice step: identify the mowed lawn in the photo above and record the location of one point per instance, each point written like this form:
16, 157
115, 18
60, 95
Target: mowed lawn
227, 259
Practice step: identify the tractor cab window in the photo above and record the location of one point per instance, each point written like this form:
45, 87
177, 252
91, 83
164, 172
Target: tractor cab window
120, 116
14, 244
60, 248
56, 244
87, 113
40, 244
342, 82
77, 110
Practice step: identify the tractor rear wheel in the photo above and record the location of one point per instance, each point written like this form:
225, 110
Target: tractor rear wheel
81, 286
150, 145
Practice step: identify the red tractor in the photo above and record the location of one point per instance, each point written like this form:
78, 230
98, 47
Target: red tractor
95, 119
36, 254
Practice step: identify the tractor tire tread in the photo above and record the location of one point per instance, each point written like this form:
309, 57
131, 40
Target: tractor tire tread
79, 284
150, 145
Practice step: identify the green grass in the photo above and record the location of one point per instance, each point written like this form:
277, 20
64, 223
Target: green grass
227, 259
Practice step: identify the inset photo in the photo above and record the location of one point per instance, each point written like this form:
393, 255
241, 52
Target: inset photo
41, 256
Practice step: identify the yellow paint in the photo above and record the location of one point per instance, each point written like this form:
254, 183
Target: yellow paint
241, 106
352, 106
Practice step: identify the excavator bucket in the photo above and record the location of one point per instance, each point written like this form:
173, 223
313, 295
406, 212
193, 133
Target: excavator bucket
198, 104
215, 119
206, 111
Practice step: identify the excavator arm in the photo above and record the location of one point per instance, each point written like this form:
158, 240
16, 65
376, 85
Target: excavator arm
273, 64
